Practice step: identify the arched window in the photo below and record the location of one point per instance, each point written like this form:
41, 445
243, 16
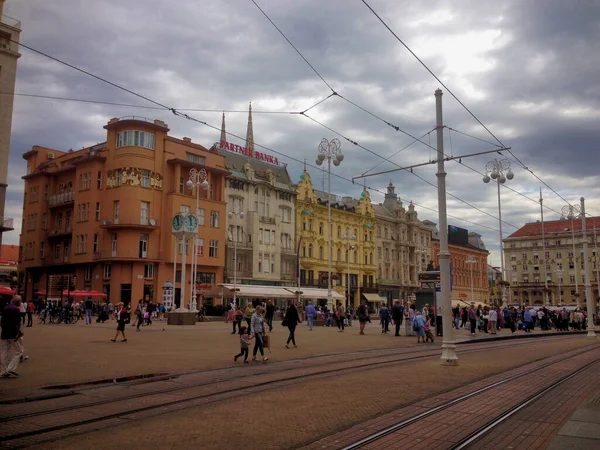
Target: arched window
310, 250
371, 258
339, 231
339, 254
304, 251
321, 252
320, 227
355, 256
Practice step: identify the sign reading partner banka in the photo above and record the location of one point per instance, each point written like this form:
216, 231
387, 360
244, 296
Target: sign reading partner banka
248, 152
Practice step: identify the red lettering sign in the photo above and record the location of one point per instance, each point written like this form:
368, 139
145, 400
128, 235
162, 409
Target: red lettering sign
248, 152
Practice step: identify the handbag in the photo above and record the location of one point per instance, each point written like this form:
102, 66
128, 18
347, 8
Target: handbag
284, 323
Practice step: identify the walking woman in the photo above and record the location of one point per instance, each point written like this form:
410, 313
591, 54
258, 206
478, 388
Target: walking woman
363, 316
418, 325
258, 331
340, 315
291, 319
122, 319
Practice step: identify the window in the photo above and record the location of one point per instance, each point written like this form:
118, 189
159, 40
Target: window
46, 192
116, 206
513, 257
42, 249
572, 279
559, 266
200, 246
85, 181
145, 178
143, 250
83, 210
547, 255
100, 180
196, 159
523, 255
131, 138
184, 209
339, 231
181, 185
57, 251
187, 246
267, 237
106, 270
213, 250
66, 252
535, 244
339, 255
33, 194
95, 243
371, 258
558, 255
320, 227
81, 242
97, 210
145, 213
149, 270
236, 204
67, 220
114, 244
570, 254
201, 217
321, 256
214, 219
118, 177
44, 221
286, 215
556, 242
310, 250
514, 268
87, 273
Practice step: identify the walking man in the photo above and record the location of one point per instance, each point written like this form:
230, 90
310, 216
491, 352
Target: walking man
311, 313
11, 342
397, 315
89, 306
270, 313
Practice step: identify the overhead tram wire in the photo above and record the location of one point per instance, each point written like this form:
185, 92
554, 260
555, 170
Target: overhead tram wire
460, 102
409, 171
188, 117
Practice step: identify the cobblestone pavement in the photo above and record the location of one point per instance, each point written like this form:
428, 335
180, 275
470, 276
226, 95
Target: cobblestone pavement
297, 413
69, 354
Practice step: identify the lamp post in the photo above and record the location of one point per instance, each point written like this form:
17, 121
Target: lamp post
587, 269
235, 235
349, 246
330, 151
571, 212
470, 261
496, 170
559, 274
198, 180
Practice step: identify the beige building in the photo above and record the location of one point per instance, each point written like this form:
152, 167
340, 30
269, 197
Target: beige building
560, 260
10, 30
264, 237
403, 247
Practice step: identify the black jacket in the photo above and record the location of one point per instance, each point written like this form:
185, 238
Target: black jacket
11, 321
270, 311
291, 316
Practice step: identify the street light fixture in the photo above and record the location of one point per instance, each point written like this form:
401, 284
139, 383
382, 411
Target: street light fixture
330, 151
496, 170
349, 246
235, 235
470, 262
198, 180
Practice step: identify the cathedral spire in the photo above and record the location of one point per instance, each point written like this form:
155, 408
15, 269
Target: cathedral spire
223, 133
250, 132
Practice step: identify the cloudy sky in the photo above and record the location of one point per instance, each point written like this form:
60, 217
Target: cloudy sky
528, 69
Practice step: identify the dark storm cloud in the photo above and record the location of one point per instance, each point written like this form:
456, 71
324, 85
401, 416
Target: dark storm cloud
529, 69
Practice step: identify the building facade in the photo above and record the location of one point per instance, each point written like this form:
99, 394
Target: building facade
10, 31
264, 236
100, 218
558, 259
494, 282
403, 247
468, 264
350, 218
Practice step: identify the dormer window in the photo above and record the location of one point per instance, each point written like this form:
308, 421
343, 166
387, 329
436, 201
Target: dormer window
131, 138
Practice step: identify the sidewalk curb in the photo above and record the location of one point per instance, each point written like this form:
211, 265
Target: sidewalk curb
520, 336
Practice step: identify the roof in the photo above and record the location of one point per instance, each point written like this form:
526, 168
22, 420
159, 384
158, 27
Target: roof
435, 240
349, 203
534, 229
381, 210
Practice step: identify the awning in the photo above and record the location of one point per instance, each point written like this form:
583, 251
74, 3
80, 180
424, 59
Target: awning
314, 293
78, 293
6, 291
42, 292
467, 303
254, 291
374, 298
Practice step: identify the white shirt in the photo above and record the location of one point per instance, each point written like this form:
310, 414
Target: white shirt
23, 307
540, 314
493, 316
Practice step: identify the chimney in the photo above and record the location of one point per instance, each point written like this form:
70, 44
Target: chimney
187, 139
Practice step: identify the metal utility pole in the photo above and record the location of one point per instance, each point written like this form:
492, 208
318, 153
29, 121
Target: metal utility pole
589, 299
546, 293
449, 356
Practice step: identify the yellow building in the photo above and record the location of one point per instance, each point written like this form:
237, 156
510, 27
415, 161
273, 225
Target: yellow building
350, 218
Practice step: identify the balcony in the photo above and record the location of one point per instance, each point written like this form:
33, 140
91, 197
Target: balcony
131, 255
6, 224
11, 22
267, 220
61, 199
288, 251
141, 224
240, 245
59, 233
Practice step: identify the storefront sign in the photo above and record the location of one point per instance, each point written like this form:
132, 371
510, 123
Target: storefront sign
248, 152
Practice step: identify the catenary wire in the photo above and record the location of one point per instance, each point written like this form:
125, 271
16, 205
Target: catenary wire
459, 101
188, 117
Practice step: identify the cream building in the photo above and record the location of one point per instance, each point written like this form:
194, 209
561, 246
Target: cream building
10, 30
264, 236
403, 247
560, 260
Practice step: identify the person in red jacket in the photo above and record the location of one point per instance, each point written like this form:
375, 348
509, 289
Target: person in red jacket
30, 309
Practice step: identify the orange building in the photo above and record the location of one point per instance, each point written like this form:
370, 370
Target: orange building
100, 218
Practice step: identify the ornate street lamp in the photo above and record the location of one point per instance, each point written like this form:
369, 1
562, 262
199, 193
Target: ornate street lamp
349, 246
198, 180
330, 151
235, 235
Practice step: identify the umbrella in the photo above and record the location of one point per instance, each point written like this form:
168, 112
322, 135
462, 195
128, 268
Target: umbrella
79, 293
42, 292
6, 291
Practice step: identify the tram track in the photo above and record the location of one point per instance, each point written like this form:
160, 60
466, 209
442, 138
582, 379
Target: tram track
363, 363
374, 438
227, 392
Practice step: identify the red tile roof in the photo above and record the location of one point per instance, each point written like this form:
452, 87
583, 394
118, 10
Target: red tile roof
555, 226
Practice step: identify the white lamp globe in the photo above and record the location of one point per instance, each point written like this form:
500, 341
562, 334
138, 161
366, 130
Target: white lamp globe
486, 179
340, 156
321, 156
190, 184
510, 175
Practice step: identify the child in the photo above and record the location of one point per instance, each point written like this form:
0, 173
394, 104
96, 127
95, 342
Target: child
244, 343
428, 333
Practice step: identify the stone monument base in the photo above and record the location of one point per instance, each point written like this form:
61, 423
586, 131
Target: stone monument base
181, 318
